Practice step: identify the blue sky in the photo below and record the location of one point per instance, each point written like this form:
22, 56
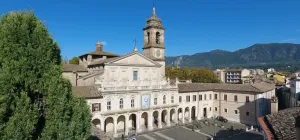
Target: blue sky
191, 25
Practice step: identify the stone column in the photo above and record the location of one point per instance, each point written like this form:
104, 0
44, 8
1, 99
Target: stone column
138, 122
102, 124
198, 114
183, 115
176, 116
115, 126
159, 119
126, 124
190, 114
150, 121
168, 117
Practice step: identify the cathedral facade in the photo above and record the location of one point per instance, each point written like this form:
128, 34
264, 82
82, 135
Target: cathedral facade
130, 93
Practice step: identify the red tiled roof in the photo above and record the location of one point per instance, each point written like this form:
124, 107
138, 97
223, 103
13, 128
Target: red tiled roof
264, 126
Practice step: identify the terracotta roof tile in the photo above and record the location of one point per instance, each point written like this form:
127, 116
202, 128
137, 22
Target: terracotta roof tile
100, 53
86, 91
73, 67
282, 123
194, 87
103, 61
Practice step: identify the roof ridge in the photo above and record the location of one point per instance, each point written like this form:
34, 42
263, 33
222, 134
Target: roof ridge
255, 87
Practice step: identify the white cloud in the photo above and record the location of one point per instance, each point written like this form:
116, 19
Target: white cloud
288, 40
103, 43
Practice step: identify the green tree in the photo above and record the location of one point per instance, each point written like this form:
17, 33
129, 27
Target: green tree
194, 74
36, 102
74, 60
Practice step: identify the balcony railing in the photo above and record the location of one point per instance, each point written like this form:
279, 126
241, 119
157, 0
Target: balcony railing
106, 88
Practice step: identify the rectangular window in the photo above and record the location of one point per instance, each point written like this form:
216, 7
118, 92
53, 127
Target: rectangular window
235, 98
209, 96
216, 96
108, 105
180, 99
194, 98
135, 75
187, 98
132, 103
225, 110
236, 112
225, 97
200, 97
247, 114
96, 107
204, 96
209, 108
172, 99
247, 99
155, 101
216, 109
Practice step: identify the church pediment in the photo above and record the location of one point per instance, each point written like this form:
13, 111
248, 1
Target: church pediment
134, 59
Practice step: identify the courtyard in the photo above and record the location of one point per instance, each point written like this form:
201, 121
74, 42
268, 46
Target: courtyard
203, 130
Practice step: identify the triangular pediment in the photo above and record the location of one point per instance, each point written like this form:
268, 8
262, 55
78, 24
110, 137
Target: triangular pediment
135, 58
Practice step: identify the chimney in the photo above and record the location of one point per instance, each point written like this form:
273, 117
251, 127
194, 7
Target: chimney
99, 46
274, 105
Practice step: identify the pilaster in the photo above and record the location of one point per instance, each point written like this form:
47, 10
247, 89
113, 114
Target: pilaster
159, 119
115, 126
150, 121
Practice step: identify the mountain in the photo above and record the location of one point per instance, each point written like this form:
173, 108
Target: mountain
257, 54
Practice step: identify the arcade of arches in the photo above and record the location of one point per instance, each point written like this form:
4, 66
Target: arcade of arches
144, 120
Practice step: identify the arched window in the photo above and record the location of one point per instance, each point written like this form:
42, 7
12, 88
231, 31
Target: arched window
108, 105
155, 100
172, 99
157, 38
164, 99
132, 103
121, 103
148, 36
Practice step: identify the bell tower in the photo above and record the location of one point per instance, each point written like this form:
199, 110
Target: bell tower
154, 45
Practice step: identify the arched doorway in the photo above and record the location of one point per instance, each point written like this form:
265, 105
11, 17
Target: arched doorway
180, 114
109, 124
121, 123
132, 122
193, 113
186, 113
144, 120
164, 118
172, 115
155, 118
97, 123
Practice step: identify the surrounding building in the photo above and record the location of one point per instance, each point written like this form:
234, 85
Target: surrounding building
256, 72
271, 70
131, 94
220, 74
283, 125
234, 76
295, 86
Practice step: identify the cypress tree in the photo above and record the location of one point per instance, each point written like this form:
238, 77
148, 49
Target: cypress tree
36, 102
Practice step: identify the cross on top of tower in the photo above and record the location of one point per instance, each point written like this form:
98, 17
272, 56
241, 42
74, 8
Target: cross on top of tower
153, 10
135, 41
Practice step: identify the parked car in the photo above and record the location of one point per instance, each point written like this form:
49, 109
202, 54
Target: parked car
221, 119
